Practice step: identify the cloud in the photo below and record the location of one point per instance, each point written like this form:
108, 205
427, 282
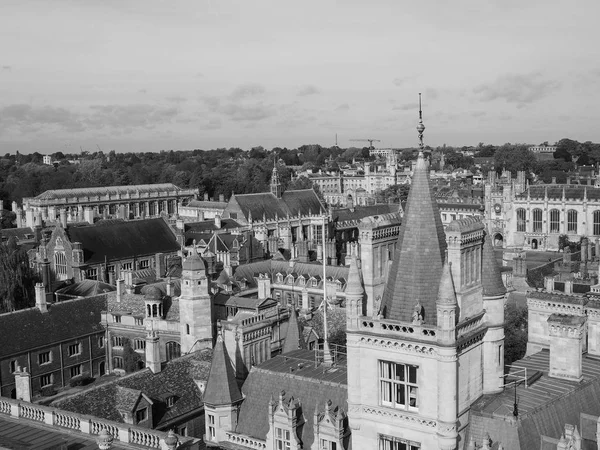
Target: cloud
212, 124
407, 107
239, 111
308, 89
244, 91
521, 89
176, 99
343, 107
26, 119
431, 94
401, 81
6, 68
200, 75
135, 116
143, 91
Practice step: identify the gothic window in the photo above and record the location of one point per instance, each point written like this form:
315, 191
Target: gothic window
392, 443
46, 380
118, 362
571, 221
60, 264
398, 385
44, 358
74, 349
555, 221
596, 223
139, 344
173, 350
127, 266
521, 220
144, 263
282, 439
117, 341
91, 274
75, 371
537, 220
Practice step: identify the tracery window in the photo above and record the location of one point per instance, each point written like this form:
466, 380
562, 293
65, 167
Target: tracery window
537, 220
571, 221
521, 220
554, 221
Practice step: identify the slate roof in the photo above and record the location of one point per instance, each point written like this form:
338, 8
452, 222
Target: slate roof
55, 194
346, 214
294, 339
293, 203
20, 234
309, 383
221, 388
86, 288
206, 204
555, 192
134, 303
176, 378
64, 321
545, 406
417, 266
491, 280
124, 240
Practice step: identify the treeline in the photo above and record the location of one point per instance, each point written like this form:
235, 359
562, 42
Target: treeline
215, 172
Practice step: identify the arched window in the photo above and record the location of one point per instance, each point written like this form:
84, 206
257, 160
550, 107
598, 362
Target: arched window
60, 265
537, 220
173, 350
554, 221
521, 220
596, 223
571, 221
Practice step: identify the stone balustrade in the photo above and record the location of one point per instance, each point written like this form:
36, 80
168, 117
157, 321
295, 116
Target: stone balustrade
92, 426
400, 330
246, 441
469, 324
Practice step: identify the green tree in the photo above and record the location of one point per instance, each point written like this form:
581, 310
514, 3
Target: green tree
515, 333
17, 279
515, 157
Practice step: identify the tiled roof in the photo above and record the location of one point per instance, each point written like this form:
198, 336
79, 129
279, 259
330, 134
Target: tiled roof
86, 288
207, 226
544, 406
491, 280
176, 378
555, 192
123, 240
104, 190
206, 204
417, 266
294, 339
63, 321
359, 212
292, 203
310, 384
134, 303
221, 388
18, 233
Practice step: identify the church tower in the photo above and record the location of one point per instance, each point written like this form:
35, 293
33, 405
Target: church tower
416, 369
195, 305
275, 184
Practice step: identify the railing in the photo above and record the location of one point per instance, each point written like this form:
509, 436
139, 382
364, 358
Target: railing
121, 432
415, 331
246, 441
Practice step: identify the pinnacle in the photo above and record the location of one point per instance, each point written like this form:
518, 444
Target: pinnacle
354, 286
491, 279
446, 293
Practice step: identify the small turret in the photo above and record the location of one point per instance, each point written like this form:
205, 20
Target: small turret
354, 295
446, 307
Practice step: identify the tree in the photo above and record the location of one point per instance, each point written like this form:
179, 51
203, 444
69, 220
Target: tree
130, 357
515, 157
17, 279
515, 333
336, 325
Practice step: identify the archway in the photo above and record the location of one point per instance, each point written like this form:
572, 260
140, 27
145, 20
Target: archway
534, 244
498, 240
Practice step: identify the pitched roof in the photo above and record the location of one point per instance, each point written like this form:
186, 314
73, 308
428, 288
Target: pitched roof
86, 288
417, 266
221, 388
491, 280
123, 240
36, 329
292, 203
294, 338
176, 379
297, 375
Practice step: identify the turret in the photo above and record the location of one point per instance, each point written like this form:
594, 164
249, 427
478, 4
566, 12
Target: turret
354, 295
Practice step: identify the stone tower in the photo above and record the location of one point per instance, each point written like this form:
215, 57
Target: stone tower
275, 184
416, 369
195, 305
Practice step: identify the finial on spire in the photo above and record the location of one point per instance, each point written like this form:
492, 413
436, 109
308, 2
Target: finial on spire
420, 126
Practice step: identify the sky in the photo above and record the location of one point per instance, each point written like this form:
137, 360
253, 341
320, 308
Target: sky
148, 75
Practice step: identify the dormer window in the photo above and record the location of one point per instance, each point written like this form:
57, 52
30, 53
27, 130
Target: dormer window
279, 278
314, 282
170, 401
141, 415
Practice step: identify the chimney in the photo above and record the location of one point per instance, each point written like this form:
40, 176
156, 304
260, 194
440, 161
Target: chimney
19, 213
566, 333
218, 221
549, 283
120, 289
63, 218
170, 287
160, 265
88, 215
40, 297
23, 384
568, 180
264, 286
153, 352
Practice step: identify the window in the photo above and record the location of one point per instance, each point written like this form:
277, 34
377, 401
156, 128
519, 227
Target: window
170, 401
13, 366
182, 431
139, 321
537, 220
211, 427
555, 221
116, 319
75, 371
118, 362
571, 221
596, 223
60, 265
127, 266
74, 349
173, 350
91, 274
392, 443
282, 439
141, 415
46, 380
521, 220
324, 444
100, 341
398, 385
144, 264
44, 358
187, 328
139, 344
117, 341
111, 269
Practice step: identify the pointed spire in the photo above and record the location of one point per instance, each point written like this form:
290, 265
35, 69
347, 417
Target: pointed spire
420, 126
294, 339
447, 293
491, 280
221, 388
417, 266
354, 286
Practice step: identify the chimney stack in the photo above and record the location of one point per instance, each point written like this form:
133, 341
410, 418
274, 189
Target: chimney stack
218, 221
23, 384
566, 333
153, 352
40, 297
63, 218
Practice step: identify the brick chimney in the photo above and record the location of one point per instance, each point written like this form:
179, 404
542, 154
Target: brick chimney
40, 297
23, 384
264, 286
153, 352
566, 333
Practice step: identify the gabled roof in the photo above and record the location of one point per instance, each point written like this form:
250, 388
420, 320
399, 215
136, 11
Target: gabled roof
124, 240
36, 329
221, 388
417, 266
293, 203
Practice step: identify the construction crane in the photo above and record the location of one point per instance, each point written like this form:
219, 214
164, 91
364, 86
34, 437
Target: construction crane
370, 141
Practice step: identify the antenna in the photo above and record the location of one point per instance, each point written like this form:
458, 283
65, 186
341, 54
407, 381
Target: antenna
420, 126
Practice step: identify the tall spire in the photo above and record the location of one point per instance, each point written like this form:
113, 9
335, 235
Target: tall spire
293, 339
416, 271
275, 184
420, 126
